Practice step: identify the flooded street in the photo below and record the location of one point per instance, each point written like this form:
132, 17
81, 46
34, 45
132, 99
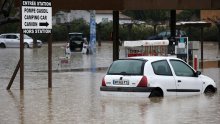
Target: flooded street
75, 97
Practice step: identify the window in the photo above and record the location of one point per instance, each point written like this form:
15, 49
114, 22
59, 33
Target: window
181, 69
127, 67
58, 20
161, 68
27, 37
11, 36
2, 36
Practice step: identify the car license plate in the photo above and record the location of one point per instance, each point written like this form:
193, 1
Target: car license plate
120, 82
77, 49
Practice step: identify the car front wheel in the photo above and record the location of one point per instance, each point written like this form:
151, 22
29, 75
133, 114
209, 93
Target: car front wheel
210, 90
26, 45
2, 45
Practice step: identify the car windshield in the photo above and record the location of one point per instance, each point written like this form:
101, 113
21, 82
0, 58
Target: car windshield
127, 67
27, 37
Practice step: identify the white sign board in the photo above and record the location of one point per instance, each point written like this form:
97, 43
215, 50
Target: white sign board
36, 16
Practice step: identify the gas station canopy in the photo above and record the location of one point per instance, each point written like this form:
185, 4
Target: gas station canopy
132, 4
200, 24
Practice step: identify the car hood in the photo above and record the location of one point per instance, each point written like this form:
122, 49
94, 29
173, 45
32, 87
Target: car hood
39, 41
28, 40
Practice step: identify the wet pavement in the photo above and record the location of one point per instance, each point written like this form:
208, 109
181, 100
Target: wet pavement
75, 96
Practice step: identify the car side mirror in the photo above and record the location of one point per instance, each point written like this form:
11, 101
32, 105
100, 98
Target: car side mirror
197, 73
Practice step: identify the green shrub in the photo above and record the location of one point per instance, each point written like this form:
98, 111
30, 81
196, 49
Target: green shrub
9, 28
211, 34
60, 33
80, 25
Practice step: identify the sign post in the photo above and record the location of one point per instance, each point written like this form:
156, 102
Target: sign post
37, 18
21, 63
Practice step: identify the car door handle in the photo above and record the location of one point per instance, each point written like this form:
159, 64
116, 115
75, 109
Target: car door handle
179, 81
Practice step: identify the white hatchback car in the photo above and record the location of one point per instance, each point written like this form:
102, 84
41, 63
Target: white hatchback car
13, 40
154, 76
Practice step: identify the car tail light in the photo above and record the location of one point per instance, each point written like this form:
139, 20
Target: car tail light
143, 82
103, 81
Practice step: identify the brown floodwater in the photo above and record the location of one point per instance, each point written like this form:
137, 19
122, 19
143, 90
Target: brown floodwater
75, 96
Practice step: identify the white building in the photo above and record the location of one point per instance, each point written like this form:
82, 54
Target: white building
101, 16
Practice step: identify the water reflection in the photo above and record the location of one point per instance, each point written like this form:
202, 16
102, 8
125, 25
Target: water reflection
50, 108
123, 110
19, 105
170, 110
26, 110
96, 109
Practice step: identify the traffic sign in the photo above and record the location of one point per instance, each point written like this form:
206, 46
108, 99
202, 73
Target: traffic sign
36, 16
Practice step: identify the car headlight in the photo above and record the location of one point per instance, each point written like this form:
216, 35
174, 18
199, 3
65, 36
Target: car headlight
39, 41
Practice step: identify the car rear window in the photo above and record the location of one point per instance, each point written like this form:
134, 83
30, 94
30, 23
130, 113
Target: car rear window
127, 67
75, 36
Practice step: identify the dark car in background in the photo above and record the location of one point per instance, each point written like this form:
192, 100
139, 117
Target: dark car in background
75, 35
166, 35
77, 43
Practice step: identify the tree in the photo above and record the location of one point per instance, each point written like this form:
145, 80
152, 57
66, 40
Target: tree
216, 21
7, 13
189, 15
152, 17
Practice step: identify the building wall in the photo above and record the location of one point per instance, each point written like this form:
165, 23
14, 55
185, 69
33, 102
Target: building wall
205, 14
101, 16
79, 14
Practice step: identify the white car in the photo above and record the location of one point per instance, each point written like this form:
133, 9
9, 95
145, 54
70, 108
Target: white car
13, 40
154, 76
83, 49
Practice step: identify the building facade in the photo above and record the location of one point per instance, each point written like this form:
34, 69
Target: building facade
102, 16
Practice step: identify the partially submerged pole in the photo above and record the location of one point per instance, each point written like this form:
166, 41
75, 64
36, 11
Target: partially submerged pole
172, 39
201, 41
13, 76
50, 61
21, 51
115, 35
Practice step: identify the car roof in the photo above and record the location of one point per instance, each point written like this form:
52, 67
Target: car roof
153, 58
10, 34
75, 33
